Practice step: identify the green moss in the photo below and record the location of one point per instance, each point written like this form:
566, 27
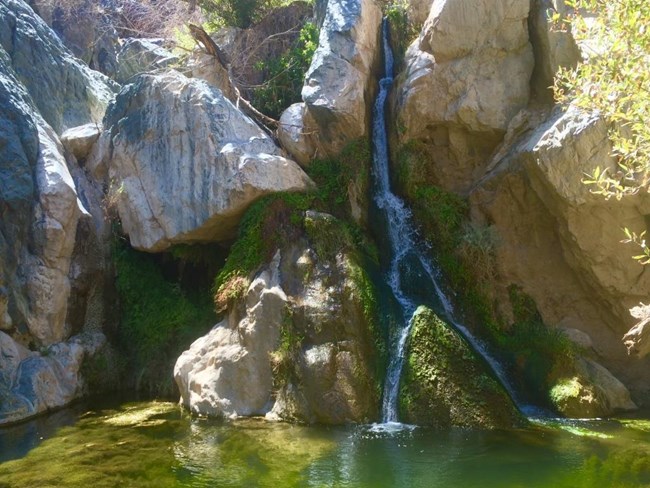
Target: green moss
158, 319
279, 218
444, 382
565, 389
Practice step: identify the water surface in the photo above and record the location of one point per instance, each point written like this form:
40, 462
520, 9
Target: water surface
157, 445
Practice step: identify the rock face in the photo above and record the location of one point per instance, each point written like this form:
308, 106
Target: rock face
591, 392
297, 347
554, 45
141, 56
445, 383
32, 383
466, 77
66, 92
186, 163
42, 213
560, 242
85, 30
339, 84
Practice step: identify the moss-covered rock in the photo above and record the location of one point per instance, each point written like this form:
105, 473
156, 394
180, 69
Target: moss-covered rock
585, 389
301, 342
445, 383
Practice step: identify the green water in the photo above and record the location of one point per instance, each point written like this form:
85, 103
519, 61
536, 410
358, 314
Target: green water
156, 445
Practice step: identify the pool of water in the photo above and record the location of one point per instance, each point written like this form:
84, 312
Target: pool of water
149, 444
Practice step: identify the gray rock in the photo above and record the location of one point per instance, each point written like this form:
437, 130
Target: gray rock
341, 78
186, 163
40, 199
32, 383
85, 30
228, 371
66, 92
139, 56
79, 140
297, 346
296, 133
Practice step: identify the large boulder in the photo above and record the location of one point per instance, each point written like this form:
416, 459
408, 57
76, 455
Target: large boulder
40, 212
560, 242
339, 84
65, 91
186, 163
590, 391
445, 383
300, 343
465, 78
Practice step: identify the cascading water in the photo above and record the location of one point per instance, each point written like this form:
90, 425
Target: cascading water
406, 254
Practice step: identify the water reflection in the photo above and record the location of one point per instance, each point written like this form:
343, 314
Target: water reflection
155, 444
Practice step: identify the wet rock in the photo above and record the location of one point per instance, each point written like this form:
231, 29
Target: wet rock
445, 383
32, 383
186, 163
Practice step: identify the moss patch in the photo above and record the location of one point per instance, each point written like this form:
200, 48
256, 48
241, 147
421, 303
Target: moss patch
277, 219
444, 383
159, 320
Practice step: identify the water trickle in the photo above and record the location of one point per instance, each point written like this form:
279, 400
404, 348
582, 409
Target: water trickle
407, 256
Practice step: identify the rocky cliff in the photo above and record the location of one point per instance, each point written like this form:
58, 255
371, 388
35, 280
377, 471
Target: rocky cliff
470, 119
492, 169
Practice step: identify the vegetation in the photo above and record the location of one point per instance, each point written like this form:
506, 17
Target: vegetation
277, 219
403, 30
465, 253
237, 13
285, 75
535, 351
613, 80
159, 319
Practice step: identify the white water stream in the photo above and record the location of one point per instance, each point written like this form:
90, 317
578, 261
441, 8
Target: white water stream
405, 253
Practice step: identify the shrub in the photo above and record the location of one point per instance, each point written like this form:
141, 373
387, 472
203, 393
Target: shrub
286, 74
613, 81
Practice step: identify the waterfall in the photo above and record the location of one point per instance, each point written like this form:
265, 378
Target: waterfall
406, 253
